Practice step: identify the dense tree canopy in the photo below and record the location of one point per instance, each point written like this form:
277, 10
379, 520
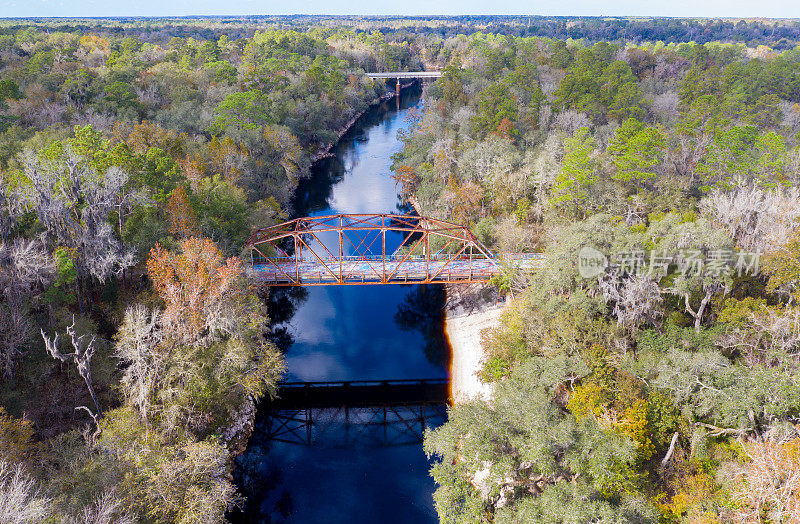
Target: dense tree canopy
137, 154
657, 390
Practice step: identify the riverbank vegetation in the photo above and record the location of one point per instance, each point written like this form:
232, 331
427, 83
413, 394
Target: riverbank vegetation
663, 386
133, 348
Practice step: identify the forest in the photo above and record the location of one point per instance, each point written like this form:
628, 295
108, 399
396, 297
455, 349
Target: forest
132, 346
136, 155
662, 387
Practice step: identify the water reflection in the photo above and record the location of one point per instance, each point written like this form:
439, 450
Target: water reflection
424, 310
349, 333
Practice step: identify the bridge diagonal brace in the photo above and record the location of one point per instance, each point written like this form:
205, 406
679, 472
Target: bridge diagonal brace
332, 272
449, 262
363, 254
291, 279
462, 259
405, 257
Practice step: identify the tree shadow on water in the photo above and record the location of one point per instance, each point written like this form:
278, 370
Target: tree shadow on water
423, 309
261, 483
282, 304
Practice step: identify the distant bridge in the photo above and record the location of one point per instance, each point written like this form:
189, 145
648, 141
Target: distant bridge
380, 412
432, 251
404, 75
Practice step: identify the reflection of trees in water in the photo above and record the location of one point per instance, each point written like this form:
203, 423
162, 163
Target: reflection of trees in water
404, 208
313, 194
423, 310
282, 303
261, 482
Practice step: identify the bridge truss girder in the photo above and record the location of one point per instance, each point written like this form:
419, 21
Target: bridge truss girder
304, 233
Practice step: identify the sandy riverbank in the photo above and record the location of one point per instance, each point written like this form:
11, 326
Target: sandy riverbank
470, 310
464, 333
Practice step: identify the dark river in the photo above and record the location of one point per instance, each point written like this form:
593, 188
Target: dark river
350, 474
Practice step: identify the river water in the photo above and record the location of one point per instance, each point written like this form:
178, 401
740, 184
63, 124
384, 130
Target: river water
337, 333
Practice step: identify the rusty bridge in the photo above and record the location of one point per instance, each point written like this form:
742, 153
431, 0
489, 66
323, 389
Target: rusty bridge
352, 249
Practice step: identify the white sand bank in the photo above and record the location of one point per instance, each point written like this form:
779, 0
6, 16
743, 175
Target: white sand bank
464, 332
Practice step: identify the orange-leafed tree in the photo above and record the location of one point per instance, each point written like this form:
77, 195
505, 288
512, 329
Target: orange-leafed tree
468, 202
181, 216
406, 177
197, 285
196, 361
505, 128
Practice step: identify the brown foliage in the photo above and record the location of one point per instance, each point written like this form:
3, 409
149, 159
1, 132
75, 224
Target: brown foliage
192, 169
227, 158
505, 128
406, 177
181, 216
193, 282
142, 137
468, 202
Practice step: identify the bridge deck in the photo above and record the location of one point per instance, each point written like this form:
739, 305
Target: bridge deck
407, 74
284, 271
362, 255
355, 394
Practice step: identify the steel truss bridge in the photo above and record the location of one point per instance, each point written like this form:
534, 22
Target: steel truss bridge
376, 413
407, 75
432, 251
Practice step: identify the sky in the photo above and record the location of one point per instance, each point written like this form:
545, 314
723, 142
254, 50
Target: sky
676, 8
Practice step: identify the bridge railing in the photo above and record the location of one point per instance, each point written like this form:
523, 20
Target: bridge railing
506, 257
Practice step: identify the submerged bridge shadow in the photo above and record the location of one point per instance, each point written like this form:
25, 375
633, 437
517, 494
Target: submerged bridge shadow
367, 413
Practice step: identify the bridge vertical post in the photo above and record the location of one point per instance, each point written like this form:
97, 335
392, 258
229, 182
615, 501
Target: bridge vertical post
383, 247
471, 248
297, 257
397, 89
427, 248
341, 249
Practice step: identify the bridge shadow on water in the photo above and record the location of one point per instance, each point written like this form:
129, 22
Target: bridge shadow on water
355, 413
334, 418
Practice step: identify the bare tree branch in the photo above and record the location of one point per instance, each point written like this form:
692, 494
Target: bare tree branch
82, 357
